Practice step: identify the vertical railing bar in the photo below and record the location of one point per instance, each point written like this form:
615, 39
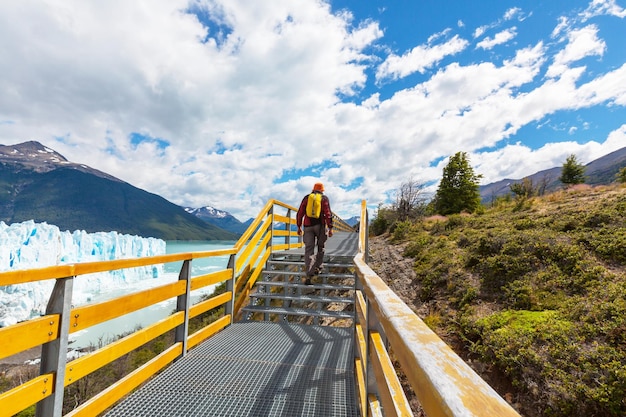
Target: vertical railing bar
270, 213
229, 308
288, 229
183, 303
54, 353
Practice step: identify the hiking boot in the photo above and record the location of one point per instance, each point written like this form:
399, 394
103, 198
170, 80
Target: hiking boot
308, 281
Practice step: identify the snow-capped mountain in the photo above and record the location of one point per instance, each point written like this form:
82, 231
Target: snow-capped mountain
38, 158
219, 218
38, 183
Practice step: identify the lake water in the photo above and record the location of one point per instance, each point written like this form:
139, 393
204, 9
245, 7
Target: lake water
107, 331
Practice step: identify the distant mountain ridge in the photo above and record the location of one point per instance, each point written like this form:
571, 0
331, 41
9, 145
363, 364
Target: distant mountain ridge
598, 172
219, 218
37, 183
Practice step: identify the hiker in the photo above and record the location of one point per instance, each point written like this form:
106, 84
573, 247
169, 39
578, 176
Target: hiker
316, 217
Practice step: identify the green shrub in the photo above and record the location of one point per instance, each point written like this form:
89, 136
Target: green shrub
556, 280
401, 231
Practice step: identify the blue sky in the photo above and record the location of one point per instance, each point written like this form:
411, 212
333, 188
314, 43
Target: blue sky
230, 103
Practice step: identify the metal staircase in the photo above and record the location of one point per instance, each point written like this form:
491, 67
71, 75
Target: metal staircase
282, 295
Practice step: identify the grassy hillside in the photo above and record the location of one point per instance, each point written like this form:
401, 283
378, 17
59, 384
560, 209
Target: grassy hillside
535, 292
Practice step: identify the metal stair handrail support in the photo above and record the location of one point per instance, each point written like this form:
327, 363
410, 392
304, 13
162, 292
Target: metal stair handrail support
443, 383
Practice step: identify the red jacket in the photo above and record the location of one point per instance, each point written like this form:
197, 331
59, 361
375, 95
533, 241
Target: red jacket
326, 216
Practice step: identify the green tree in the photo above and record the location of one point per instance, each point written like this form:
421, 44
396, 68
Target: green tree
621, 175
572, 172
458, 190
524, 189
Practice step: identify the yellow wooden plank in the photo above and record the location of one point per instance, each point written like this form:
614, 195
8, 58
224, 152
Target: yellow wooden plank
254, 225
279, 218
212, 253
243, 277
390, 391
208, 331
249, 284
211, 279
71, 270
374, 409
284, 246
212, 302
242, 257
27, 394
361, 343
87, 364
36, 274
89, 315
361, 386
361, 308
118, 390
28, 334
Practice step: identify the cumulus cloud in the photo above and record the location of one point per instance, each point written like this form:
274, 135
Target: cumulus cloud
580, 44
603, 7
498, 39
419, 59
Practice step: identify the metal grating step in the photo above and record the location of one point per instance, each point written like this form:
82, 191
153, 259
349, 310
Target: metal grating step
255, 369
287, 284
301, 263
305, 298
301, 274
295, 311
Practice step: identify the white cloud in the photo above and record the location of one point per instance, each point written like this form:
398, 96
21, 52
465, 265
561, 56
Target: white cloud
419, 59
603, 7
511, 13
581, 43
498, 39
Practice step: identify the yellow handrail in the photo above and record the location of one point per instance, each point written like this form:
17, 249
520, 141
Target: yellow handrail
444, 384
52, 330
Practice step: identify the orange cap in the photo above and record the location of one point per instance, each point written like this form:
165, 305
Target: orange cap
318, 187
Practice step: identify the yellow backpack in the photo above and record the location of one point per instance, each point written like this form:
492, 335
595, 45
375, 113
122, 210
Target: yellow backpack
314, 206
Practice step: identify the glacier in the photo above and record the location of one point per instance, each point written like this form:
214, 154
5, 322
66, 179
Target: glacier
36, 245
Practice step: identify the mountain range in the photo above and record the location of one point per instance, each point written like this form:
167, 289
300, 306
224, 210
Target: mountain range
220, 218
600, 171
37, 183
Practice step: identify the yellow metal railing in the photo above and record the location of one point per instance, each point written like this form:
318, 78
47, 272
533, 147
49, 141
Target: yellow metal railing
51, 331
443, 383
341, 225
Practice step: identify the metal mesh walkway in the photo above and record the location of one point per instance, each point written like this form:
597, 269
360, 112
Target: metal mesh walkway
255, 369
341, 244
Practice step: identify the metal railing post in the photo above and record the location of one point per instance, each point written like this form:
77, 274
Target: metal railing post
366, 253
183, 303
288, 229
229, 307
54, 353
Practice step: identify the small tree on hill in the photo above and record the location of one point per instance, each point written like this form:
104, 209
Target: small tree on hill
410, 202
621, 176
524, 189
572, 172
458, 190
